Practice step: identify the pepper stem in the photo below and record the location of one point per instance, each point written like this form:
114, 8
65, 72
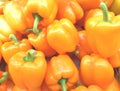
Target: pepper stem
4, 78
104, 10
30, 56
36, 22
62, 82
14, 38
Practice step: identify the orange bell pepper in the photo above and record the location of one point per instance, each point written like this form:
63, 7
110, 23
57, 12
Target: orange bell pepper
39, 42
114, 86
16, 88
92, 4
8, 49
89, 88
83, 47
40, 12
61, 73
114, 60
69, 9
103, 33
5, 29
27, 69
62, 36
93, 69
44, 87
14, 15
3, 81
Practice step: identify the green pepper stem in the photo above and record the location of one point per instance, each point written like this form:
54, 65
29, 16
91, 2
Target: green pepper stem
36, 22
77, 84
4, 78
14, 38
104, 10
30, 56
62, 82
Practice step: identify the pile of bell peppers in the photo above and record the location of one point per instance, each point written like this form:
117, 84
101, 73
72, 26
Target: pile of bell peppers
59, 45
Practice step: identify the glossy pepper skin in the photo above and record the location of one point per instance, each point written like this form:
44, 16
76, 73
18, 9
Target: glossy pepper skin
14, 16
92, 4
61, 69
5, 29
39, 42
82, 47
114, 60
93, 69
103, 33
45, 9
89, 88
114, 86
62, 33
69, 9
28, 69
8, 49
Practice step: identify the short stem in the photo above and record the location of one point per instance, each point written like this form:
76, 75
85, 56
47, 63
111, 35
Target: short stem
77, 84
62, 82
105, 11
36, 22
30, 56
13, 37
4, 78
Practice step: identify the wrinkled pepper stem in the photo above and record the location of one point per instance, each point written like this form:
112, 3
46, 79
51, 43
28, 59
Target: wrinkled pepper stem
14, 38
4, 77
30, 56
36, 22
105, 11
62, 82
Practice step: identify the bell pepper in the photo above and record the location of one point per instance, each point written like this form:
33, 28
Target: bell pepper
92, 4
15, 17
3, 81
115, 7
93, 69
61, 73
5, 29
83, 47
8, 49
16, 88
39, 42
114, 86
27, 69
103, 33
40, 12
62, 36
69, 9
114, 60
89, 88
44, 87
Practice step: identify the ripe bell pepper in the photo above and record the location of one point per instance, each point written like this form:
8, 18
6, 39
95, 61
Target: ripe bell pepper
82, 47
114, 86
69, 9
5, 29
3, 81
40, 12
62, 36
89, 88
8, 49
39, 41
93, 69
114, 60
61, 73
27, 69
115, 7
92, 4
15, 17
103, 33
